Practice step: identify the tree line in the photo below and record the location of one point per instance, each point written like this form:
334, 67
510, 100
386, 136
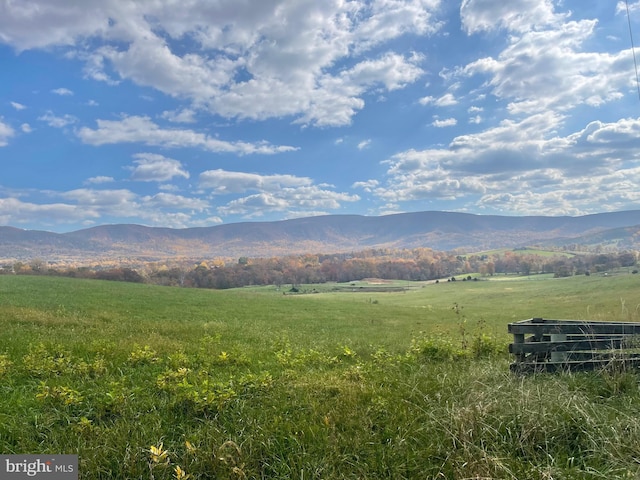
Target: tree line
408, 264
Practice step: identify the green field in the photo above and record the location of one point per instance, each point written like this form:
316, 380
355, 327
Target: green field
363, 380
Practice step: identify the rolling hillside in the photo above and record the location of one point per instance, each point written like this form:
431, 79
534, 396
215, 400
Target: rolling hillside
322, 234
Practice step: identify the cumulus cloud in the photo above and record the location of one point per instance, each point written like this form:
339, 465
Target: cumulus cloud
252, 59
445, 122
186, 115
612, 191
301, 199
100, 179
88, 205
16, 211
57, 121
364, 144
151, 167
446, 100
274, 193
367, 186
544, 66
18, 106
178, 202
106, 199
224, 182
6, 132
63, 92
569, 174
392, 70
141, 129
78, 205
621, 7
515, 15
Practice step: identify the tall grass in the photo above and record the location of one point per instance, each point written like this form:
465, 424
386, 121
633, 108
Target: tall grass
157, 383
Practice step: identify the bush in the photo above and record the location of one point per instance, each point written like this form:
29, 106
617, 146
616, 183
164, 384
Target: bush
436, 349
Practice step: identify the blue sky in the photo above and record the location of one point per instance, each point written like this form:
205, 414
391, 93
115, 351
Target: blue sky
196, 112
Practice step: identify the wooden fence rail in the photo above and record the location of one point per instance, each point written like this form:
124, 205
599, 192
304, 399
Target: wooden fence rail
541, 344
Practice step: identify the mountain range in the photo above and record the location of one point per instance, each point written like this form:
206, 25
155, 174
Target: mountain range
322, 234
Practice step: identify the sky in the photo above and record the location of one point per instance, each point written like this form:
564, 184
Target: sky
193, 113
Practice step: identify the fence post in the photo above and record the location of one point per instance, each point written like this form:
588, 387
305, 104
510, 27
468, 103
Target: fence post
519, 338
559, 355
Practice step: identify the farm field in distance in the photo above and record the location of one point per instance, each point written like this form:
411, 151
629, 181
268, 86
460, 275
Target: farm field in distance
358, 380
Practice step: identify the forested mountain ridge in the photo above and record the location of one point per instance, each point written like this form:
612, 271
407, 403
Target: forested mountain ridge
443, 231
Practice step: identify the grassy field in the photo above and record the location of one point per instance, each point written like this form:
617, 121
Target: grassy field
157, 382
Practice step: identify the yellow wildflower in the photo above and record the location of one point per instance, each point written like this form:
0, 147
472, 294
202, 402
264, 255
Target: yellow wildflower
180, 474
159, 454
190, 447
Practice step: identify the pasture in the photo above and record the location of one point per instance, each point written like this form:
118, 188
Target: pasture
156, 382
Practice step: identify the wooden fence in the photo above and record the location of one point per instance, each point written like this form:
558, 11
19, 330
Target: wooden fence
540, 344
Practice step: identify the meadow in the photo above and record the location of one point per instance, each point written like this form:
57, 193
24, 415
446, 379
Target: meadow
149, 382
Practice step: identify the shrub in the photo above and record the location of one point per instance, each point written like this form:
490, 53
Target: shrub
436, 349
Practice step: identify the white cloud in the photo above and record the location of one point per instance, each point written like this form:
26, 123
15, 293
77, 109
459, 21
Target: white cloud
392, 70
17, 106
446, 122
621, 7
151, 167
6, 132
43, 24
546, 68
210, 221
99, 179
446, 100
613, 191
300, 199
364, 144
26, 128
426, 100
367, 186
225, 182
155, 209
62, 92
87, 206
186, 115
175, 202
573, 174
515, 15
274, 193
57, 121
255, 205
142, 130
118, 201
15, 211
252, 59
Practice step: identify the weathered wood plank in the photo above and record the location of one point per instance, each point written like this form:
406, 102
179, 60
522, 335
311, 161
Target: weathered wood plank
583, 328
574, 365
542, 344
569, 345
